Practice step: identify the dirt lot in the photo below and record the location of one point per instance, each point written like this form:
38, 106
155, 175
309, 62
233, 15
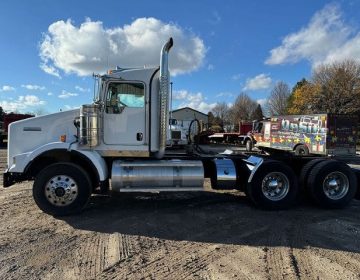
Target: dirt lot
176, 236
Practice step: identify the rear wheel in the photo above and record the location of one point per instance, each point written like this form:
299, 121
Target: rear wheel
332, 184
274, 186
305, 171
62, 189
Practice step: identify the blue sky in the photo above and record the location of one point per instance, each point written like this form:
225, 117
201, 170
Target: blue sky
48, 49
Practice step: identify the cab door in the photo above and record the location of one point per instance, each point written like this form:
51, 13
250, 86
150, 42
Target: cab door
125, 114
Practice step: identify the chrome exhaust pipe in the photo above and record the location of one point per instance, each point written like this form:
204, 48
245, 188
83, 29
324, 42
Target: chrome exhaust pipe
164, 96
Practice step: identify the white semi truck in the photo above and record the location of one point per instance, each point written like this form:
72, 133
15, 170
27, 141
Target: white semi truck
119, 142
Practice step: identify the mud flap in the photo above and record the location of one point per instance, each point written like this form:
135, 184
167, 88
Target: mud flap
357, 173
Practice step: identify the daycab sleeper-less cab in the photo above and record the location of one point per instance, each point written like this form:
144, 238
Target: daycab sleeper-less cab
119, 142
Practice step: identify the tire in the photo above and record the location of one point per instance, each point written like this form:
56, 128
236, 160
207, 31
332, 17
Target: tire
248, 145
332, 184
62, 189
263, 194
305, 171
301, 150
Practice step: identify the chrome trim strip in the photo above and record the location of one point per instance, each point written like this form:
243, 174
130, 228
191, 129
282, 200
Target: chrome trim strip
117, 153
29, 128
157, 190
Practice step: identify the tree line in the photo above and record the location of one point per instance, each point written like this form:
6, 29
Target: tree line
332, 88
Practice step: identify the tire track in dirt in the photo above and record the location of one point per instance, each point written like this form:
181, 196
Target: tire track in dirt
165, 261
345, 260
100, 252
299, 255
280, 260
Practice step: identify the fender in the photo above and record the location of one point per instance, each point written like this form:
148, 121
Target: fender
22, 161
253, 163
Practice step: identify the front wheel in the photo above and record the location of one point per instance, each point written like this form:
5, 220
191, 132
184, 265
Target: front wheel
274, 186
248, 145
62, 189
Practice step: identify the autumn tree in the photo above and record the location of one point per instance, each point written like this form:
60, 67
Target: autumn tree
303, 98
334, 88
277, 102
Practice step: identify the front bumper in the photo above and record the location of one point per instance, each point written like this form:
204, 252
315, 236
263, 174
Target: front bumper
10, 178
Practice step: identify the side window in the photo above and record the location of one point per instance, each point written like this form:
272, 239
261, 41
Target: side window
121, 95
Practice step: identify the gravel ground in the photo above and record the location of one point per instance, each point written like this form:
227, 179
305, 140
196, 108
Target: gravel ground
210, 235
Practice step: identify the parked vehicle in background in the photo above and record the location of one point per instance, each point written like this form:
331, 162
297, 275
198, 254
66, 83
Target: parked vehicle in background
319, 134
177, 134
7, 120
232, 137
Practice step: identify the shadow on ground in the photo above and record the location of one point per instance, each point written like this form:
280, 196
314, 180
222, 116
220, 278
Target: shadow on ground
221, 218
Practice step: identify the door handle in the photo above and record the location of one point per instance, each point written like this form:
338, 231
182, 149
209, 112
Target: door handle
139, 136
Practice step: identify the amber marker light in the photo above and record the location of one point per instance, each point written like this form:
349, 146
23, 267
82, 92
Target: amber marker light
63, 138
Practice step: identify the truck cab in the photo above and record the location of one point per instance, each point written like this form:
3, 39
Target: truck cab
118, 142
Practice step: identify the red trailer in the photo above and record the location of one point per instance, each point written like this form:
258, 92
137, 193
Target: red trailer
233, 137
8, 119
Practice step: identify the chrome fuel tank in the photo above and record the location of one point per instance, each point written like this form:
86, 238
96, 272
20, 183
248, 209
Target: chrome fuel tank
157, 175
90, 125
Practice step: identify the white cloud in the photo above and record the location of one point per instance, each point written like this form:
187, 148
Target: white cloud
81, 89
49, 68
236, 77
193, 100
210, 67
225, 94
262, 81
65, 94
50, 94
326, 38
33, 87
215, 18
93, 48
7, 88
70, 107
22, 104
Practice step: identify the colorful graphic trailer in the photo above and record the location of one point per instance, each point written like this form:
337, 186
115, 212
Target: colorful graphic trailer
323, 134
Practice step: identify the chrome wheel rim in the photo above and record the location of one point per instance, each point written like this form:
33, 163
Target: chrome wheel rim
275, 186
61, 190
336, 185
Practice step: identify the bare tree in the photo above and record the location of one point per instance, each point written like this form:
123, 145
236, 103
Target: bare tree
277, 102
40, 112
222, 112
242, 109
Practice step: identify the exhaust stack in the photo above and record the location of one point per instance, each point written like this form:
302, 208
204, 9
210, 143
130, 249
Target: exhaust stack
164, 96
